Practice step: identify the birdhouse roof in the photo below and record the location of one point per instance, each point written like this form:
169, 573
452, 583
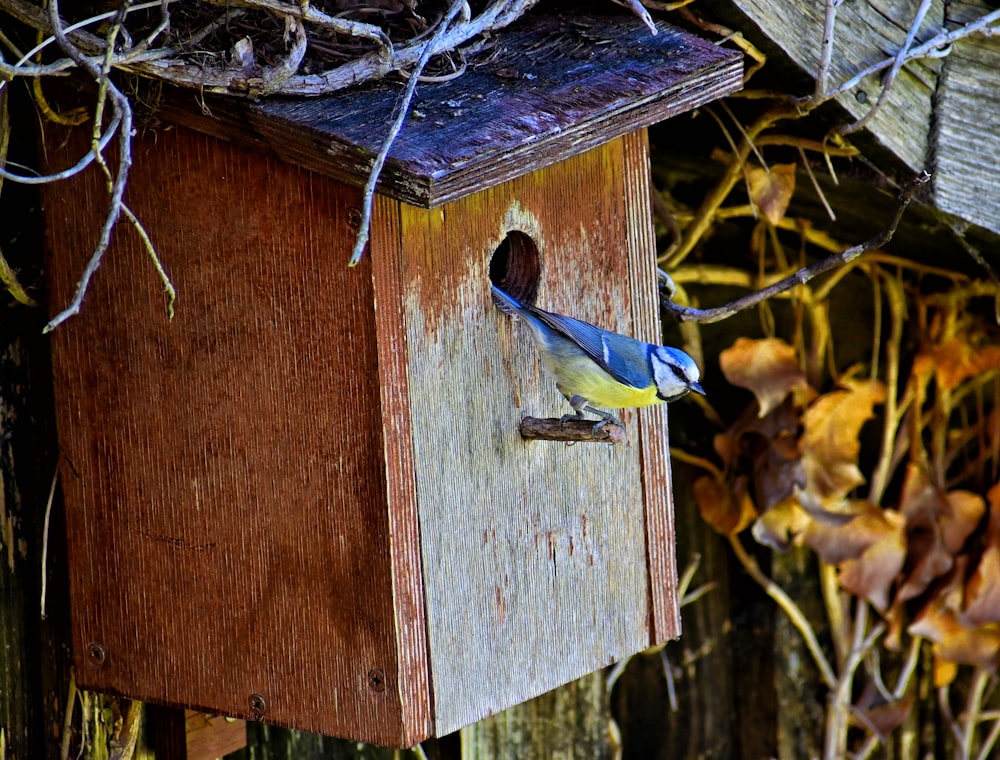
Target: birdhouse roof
552, 86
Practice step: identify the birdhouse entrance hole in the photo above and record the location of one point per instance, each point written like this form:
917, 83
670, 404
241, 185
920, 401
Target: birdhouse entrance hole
515, 266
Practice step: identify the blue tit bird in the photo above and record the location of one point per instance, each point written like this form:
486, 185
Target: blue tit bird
592, 366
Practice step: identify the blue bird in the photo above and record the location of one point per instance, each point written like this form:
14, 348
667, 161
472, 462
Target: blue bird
595, 367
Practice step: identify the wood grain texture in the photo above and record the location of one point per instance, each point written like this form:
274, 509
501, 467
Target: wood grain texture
534, 553
224, 484
867, 31
554, 87
404, 519
967, 125
640, 247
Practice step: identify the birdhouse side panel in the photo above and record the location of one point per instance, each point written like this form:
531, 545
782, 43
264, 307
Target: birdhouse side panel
223, 471
640, 246
534, 554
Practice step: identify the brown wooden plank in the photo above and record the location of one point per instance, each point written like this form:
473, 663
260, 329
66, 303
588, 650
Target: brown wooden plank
211, 736
408, 578
223, 478
534, 553
640, 246
553, 87
178, 734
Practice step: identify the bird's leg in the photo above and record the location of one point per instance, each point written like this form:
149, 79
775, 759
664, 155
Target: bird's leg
606, 417
579, 404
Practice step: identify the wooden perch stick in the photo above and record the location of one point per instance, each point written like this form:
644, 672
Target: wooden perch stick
802, 276
572, 430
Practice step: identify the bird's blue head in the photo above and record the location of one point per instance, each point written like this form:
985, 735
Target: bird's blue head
675, 373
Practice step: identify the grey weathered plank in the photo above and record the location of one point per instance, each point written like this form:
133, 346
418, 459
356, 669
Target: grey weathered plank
867, 31
554, 87
967, 134
534, 553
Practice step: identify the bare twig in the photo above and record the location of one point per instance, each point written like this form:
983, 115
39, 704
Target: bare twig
840, 700
897, 65
306, 12
716, 197
637, 8
933, 46
986, 750
402, 108
815, 184
803, 275
826, 48
45, 536
123, 109
790, 608
571, 430
973, 705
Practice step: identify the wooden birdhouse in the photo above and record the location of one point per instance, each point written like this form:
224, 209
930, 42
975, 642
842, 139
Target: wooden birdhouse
305, 499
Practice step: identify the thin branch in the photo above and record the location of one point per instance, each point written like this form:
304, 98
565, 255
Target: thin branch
716, 197
123, 109
897, 65
67, 726
973, 705
986, 750
826, 48
80, 165
571, 430
402, 108
790, 608
982, 25
306, 12
147, 243
815, 184
636, 7
803, 275
45, 536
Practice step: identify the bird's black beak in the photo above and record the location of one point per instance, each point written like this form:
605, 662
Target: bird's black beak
696, 387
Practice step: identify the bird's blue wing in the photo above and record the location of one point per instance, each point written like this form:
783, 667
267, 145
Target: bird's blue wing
624, 358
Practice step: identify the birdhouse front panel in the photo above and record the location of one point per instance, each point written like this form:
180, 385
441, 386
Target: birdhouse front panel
224, 472
535, 554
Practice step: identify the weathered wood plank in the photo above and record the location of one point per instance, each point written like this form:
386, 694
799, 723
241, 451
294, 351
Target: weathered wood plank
534, 552
867, 32
198, 453
553, 88
640, 247
967, 121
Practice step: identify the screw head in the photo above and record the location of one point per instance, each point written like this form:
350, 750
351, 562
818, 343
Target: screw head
354, 218
258, 705
96, 654
376, 679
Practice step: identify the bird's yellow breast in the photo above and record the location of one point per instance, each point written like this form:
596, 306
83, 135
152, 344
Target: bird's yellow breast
579, 376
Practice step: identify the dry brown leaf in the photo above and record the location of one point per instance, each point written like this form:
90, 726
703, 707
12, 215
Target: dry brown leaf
873, 574
884, 717
838, 542
982, 592
727, 509
773, 447
832, 426
779, 526
956, 360
771, 191
767, 367
938, 525
953, 641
